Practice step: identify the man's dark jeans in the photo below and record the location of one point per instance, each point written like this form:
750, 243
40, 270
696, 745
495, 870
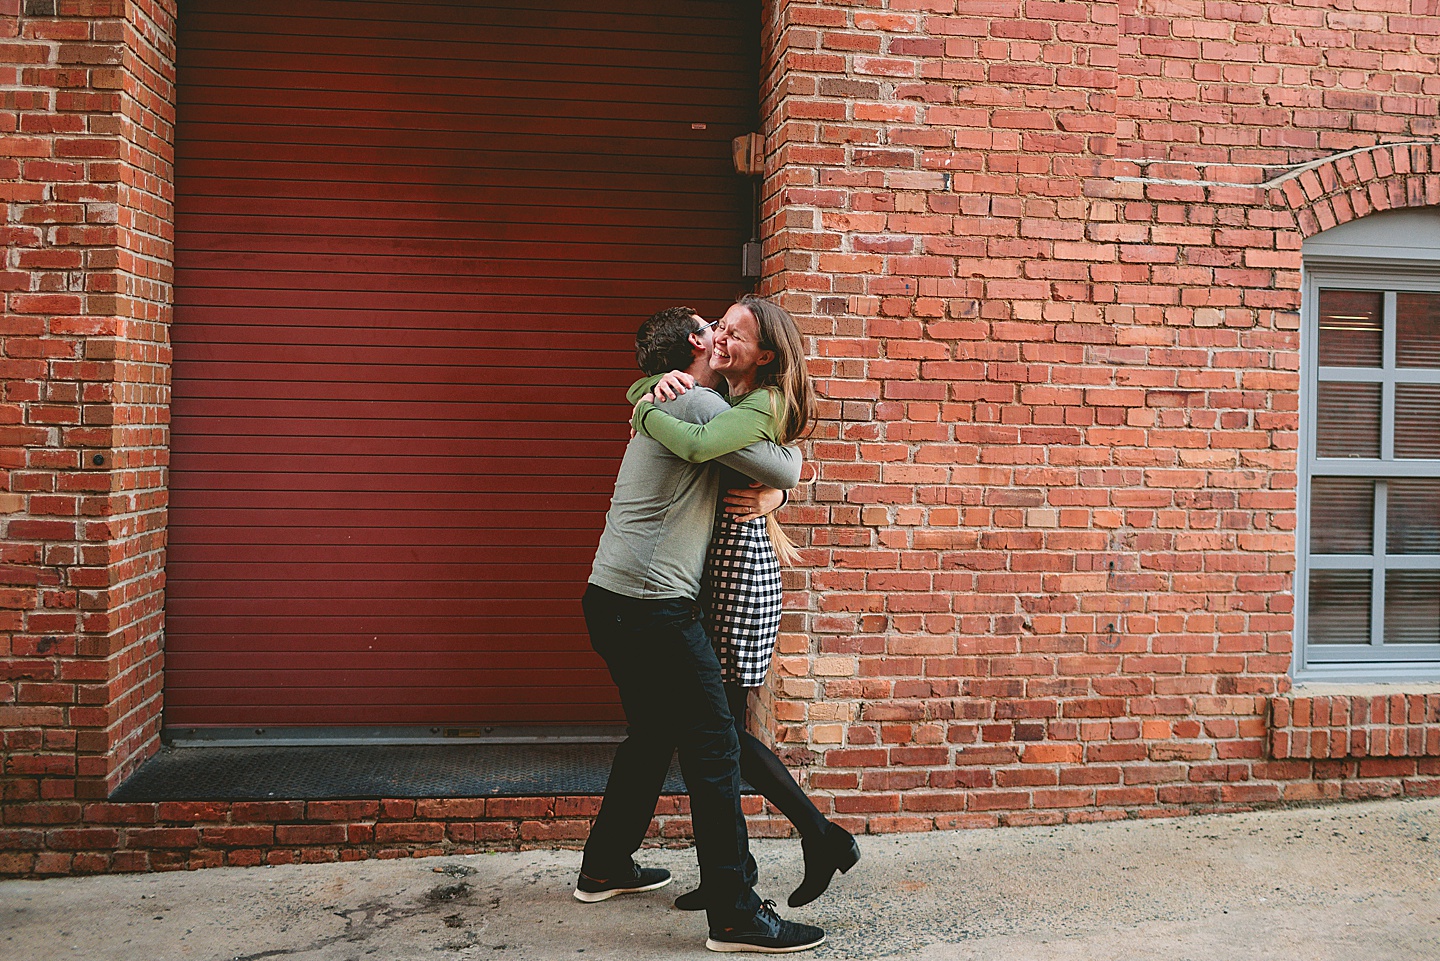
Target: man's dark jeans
669, 681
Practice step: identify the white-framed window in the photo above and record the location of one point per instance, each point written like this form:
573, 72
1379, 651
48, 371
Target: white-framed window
1367, 590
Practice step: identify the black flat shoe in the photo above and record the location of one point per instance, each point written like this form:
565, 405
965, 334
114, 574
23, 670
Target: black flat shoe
836, 851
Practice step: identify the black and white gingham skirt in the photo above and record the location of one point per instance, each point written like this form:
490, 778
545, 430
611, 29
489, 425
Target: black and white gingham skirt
742, 599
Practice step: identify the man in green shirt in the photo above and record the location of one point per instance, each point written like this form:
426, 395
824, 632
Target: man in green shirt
641, 610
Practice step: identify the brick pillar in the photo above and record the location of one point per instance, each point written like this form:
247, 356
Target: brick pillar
933, 174
85, 167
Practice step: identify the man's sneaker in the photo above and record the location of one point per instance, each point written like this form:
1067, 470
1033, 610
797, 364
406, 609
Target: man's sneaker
766, 933
636, 879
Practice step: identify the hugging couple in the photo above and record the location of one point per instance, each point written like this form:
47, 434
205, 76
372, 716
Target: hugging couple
684, 606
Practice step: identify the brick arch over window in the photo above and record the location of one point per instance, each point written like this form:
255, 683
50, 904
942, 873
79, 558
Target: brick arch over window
1357, 183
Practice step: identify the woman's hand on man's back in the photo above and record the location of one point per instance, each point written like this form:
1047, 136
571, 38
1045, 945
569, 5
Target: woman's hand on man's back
672, 385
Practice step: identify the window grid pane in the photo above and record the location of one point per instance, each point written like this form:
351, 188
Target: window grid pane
1342, 515
1348, 420
1413, 524
1339, 607
1412, 607
1417, 420
1351, 328
1417, 329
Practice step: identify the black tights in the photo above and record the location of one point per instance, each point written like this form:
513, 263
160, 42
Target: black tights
766, 773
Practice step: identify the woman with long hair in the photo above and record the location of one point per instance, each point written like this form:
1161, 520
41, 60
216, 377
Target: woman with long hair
759, 352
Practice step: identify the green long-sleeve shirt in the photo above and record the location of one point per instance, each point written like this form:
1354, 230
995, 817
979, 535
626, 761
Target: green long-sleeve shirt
752, 417
661, 514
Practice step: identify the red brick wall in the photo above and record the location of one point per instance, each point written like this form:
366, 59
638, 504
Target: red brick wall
1052, 534
1048, 254
88, 109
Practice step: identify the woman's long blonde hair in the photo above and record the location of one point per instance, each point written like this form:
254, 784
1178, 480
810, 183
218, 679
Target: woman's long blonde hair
792, 397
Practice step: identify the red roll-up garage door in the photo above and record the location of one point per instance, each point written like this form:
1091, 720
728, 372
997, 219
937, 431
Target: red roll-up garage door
413, 244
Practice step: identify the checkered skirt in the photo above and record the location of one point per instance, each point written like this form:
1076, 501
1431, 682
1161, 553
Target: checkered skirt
742, 599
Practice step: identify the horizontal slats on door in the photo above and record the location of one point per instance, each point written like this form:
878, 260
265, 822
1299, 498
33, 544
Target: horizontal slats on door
413, 244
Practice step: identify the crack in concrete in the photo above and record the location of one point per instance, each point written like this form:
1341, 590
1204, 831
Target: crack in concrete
371, 917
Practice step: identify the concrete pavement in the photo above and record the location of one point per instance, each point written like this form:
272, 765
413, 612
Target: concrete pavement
1311, 884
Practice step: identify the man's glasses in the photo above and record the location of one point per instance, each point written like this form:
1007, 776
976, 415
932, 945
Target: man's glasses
706, 326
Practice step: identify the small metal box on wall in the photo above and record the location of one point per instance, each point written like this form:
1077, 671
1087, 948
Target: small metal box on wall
748, 151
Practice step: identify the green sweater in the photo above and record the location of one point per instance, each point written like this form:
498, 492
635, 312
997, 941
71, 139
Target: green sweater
752, 417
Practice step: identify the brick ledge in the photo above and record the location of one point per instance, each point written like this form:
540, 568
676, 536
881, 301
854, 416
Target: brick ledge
1361, 720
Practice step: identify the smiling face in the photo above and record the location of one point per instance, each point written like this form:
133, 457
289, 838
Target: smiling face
737, 353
